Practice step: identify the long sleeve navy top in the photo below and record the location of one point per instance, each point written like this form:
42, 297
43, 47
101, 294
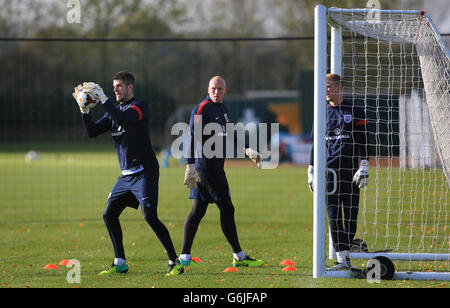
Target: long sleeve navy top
207, 112
129, 126
346, 136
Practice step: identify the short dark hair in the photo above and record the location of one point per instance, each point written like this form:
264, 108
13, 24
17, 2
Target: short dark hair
125, 76
335, 78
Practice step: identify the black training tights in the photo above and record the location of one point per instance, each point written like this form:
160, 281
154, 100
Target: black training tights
227, 223
111, 217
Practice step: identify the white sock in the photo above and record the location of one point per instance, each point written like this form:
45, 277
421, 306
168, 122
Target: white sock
239, 256
343, 257
185, 257
119, 261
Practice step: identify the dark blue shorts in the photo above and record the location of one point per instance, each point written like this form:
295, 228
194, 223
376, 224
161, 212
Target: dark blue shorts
213, 186
134, 189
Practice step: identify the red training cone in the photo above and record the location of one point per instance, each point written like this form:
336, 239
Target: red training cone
230, 269
289, 268
50, 266
287, 262
196, 260
65, 262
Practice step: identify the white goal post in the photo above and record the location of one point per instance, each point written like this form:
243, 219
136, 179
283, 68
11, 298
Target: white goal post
396, 66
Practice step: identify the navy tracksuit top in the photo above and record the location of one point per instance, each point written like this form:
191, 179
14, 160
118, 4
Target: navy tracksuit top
129, 126
208, 112
346, 136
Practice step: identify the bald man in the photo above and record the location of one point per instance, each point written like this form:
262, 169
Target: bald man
207, 180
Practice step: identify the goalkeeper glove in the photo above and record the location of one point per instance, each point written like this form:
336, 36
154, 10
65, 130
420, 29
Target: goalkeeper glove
96, 91
254, 156
311, 178
361, 177
191, 177
77, 89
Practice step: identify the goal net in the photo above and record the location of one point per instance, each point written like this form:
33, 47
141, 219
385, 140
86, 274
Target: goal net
395, 66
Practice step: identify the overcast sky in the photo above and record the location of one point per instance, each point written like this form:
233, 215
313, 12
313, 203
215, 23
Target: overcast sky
439, 10
200, 10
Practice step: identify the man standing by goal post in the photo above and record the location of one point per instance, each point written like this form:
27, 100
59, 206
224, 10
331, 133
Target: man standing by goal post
128, 124
347, 155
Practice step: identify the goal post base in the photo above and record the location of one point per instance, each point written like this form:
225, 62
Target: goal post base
401, 275
402, 256
397, 276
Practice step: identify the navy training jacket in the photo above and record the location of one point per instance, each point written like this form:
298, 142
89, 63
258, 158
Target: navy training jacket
129, 126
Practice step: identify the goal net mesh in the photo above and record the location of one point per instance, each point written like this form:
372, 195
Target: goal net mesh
397, 68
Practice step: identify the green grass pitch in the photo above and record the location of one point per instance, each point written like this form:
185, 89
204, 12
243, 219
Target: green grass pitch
51, 210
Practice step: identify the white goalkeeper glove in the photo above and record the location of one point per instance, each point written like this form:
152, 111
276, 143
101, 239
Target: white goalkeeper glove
96, 91
191, 177
361, 177
254, 156
77, 89
311, 178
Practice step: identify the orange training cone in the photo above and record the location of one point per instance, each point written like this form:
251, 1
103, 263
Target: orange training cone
65, 262
230, 269
50, 266
289, 268
196, 260
287, 262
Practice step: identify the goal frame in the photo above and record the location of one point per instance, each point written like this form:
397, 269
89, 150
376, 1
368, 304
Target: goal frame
319, 220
